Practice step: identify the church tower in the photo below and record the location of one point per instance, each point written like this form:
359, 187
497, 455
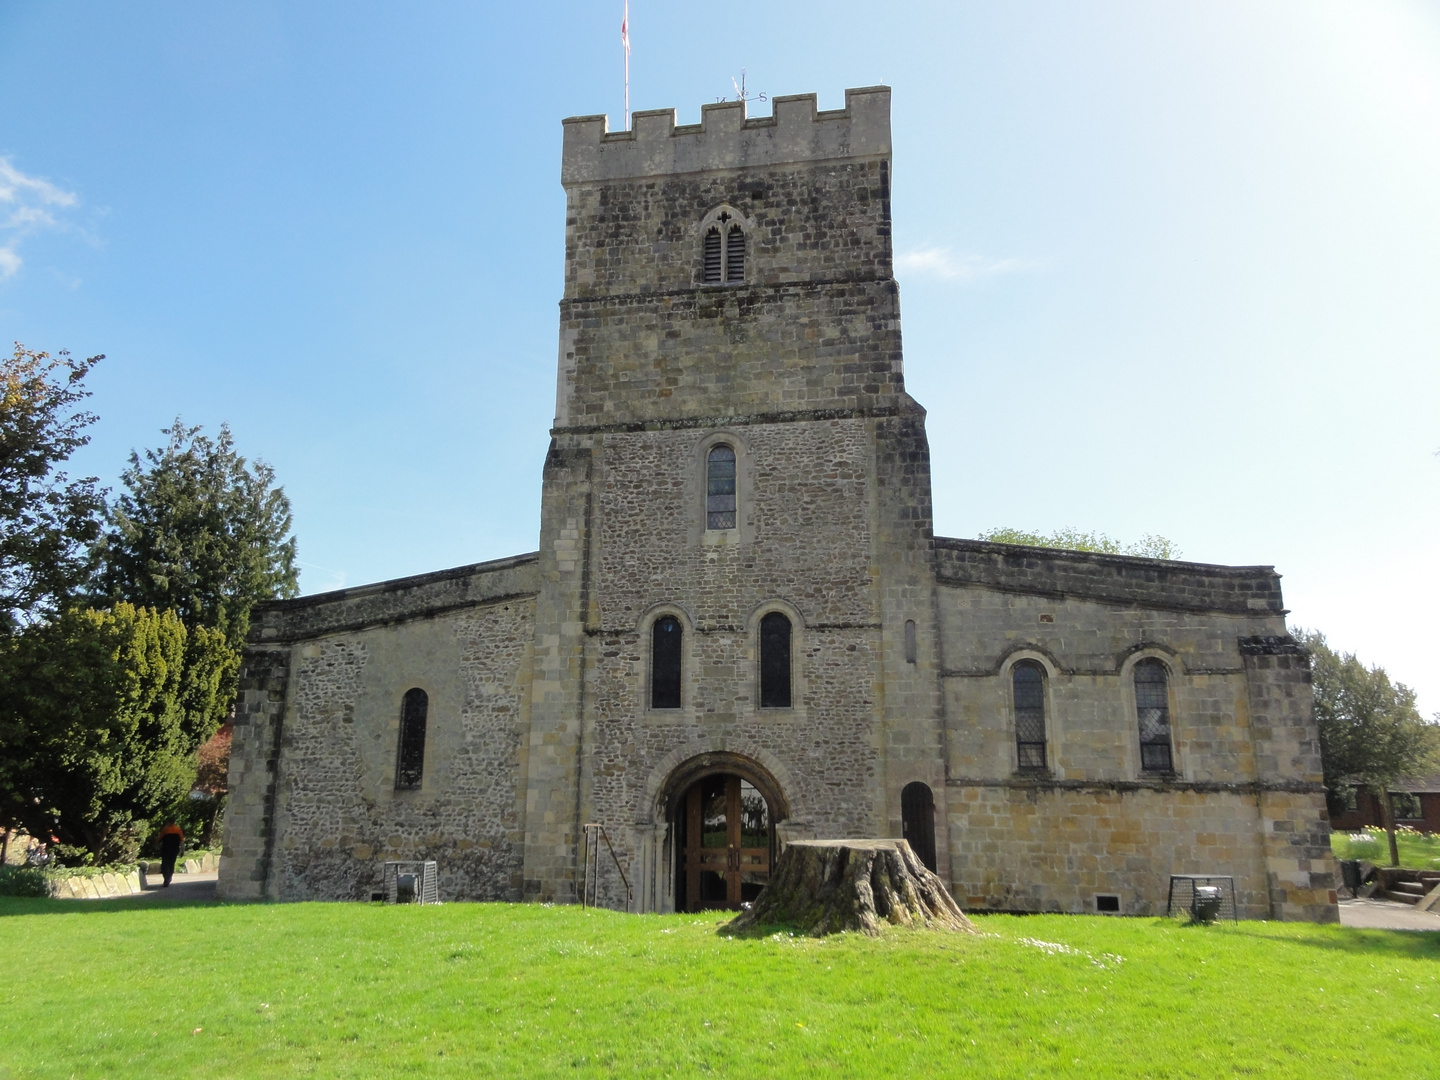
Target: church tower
739, 628
735, 619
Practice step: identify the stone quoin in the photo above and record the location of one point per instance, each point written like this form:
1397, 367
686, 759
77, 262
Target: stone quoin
739, 629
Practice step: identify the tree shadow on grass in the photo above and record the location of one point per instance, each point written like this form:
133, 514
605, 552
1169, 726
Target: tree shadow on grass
26, 905
1412, 944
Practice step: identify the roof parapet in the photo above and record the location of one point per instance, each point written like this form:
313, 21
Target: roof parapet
726, 139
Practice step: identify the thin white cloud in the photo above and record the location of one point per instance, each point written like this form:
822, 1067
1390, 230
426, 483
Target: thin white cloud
943, 263
26, 204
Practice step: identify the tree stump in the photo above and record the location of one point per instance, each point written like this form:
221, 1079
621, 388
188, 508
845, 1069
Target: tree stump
827, 886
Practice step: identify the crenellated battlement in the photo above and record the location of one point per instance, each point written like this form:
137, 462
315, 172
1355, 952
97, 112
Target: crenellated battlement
726, 138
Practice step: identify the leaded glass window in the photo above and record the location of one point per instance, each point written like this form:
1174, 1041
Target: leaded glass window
665, 640
410, 763
720, 488
1152, 704
1028, 682
775, 661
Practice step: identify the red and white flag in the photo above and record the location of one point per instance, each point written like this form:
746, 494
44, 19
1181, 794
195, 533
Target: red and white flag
625, 28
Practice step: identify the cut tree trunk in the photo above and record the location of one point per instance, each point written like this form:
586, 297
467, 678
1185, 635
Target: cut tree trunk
828, 886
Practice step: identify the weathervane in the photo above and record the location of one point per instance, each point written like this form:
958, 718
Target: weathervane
741, 94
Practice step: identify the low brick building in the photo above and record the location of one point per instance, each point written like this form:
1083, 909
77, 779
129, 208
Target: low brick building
739, 627
1415, 801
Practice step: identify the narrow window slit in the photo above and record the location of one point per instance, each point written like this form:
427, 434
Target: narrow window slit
775, 662
410, 761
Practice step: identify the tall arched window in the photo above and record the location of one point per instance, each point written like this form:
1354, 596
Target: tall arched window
1152, 704
775, 661
1028, 682
665, 640
410, 761
720, 488
724, 251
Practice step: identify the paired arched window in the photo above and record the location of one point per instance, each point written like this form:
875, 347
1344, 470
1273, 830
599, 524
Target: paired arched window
775, 692
666, 637
1152, 705
720, 487
410, 761
1027, 681
724, 251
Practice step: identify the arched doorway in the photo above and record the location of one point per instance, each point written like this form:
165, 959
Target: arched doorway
726, 836
917, 821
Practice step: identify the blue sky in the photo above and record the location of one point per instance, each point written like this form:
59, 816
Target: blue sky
1169, 268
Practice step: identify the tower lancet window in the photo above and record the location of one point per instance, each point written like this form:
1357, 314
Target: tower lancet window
735, 254
720, 488
775, 662
666, 637
724, 251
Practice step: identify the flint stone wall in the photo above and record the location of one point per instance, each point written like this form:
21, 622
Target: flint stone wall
314, 810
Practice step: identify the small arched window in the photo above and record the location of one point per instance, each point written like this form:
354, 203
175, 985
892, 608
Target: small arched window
720, 488
665, 640
1027, 679
1152, 704
410, 762
724, 251
775, 661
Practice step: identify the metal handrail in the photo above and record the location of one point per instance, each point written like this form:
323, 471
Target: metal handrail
592, 851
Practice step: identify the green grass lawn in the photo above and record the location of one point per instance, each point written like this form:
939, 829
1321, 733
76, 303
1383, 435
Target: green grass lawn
137, 988
1418, 851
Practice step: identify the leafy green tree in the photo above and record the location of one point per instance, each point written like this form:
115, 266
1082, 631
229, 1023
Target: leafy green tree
101, 713
1370, 731
200, 530
1151, 547
47, 520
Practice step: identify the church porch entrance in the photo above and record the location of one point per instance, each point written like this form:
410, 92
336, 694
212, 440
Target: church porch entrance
727, 839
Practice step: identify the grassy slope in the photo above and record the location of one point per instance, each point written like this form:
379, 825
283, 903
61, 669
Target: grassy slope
1418, 851
116, 989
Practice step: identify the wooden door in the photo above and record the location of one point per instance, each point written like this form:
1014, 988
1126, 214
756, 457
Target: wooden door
727, 840
917, 821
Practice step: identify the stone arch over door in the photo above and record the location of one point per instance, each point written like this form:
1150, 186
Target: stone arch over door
658, 846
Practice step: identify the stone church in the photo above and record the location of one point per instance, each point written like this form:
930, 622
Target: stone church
739, 628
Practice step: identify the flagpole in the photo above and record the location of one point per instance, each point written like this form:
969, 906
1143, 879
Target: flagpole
625, 40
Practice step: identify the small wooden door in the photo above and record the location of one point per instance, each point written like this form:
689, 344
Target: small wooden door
917, 821
725, 860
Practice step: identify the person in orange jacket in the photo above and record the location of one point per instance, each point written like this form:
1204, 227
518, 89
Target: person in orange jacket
171, 839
